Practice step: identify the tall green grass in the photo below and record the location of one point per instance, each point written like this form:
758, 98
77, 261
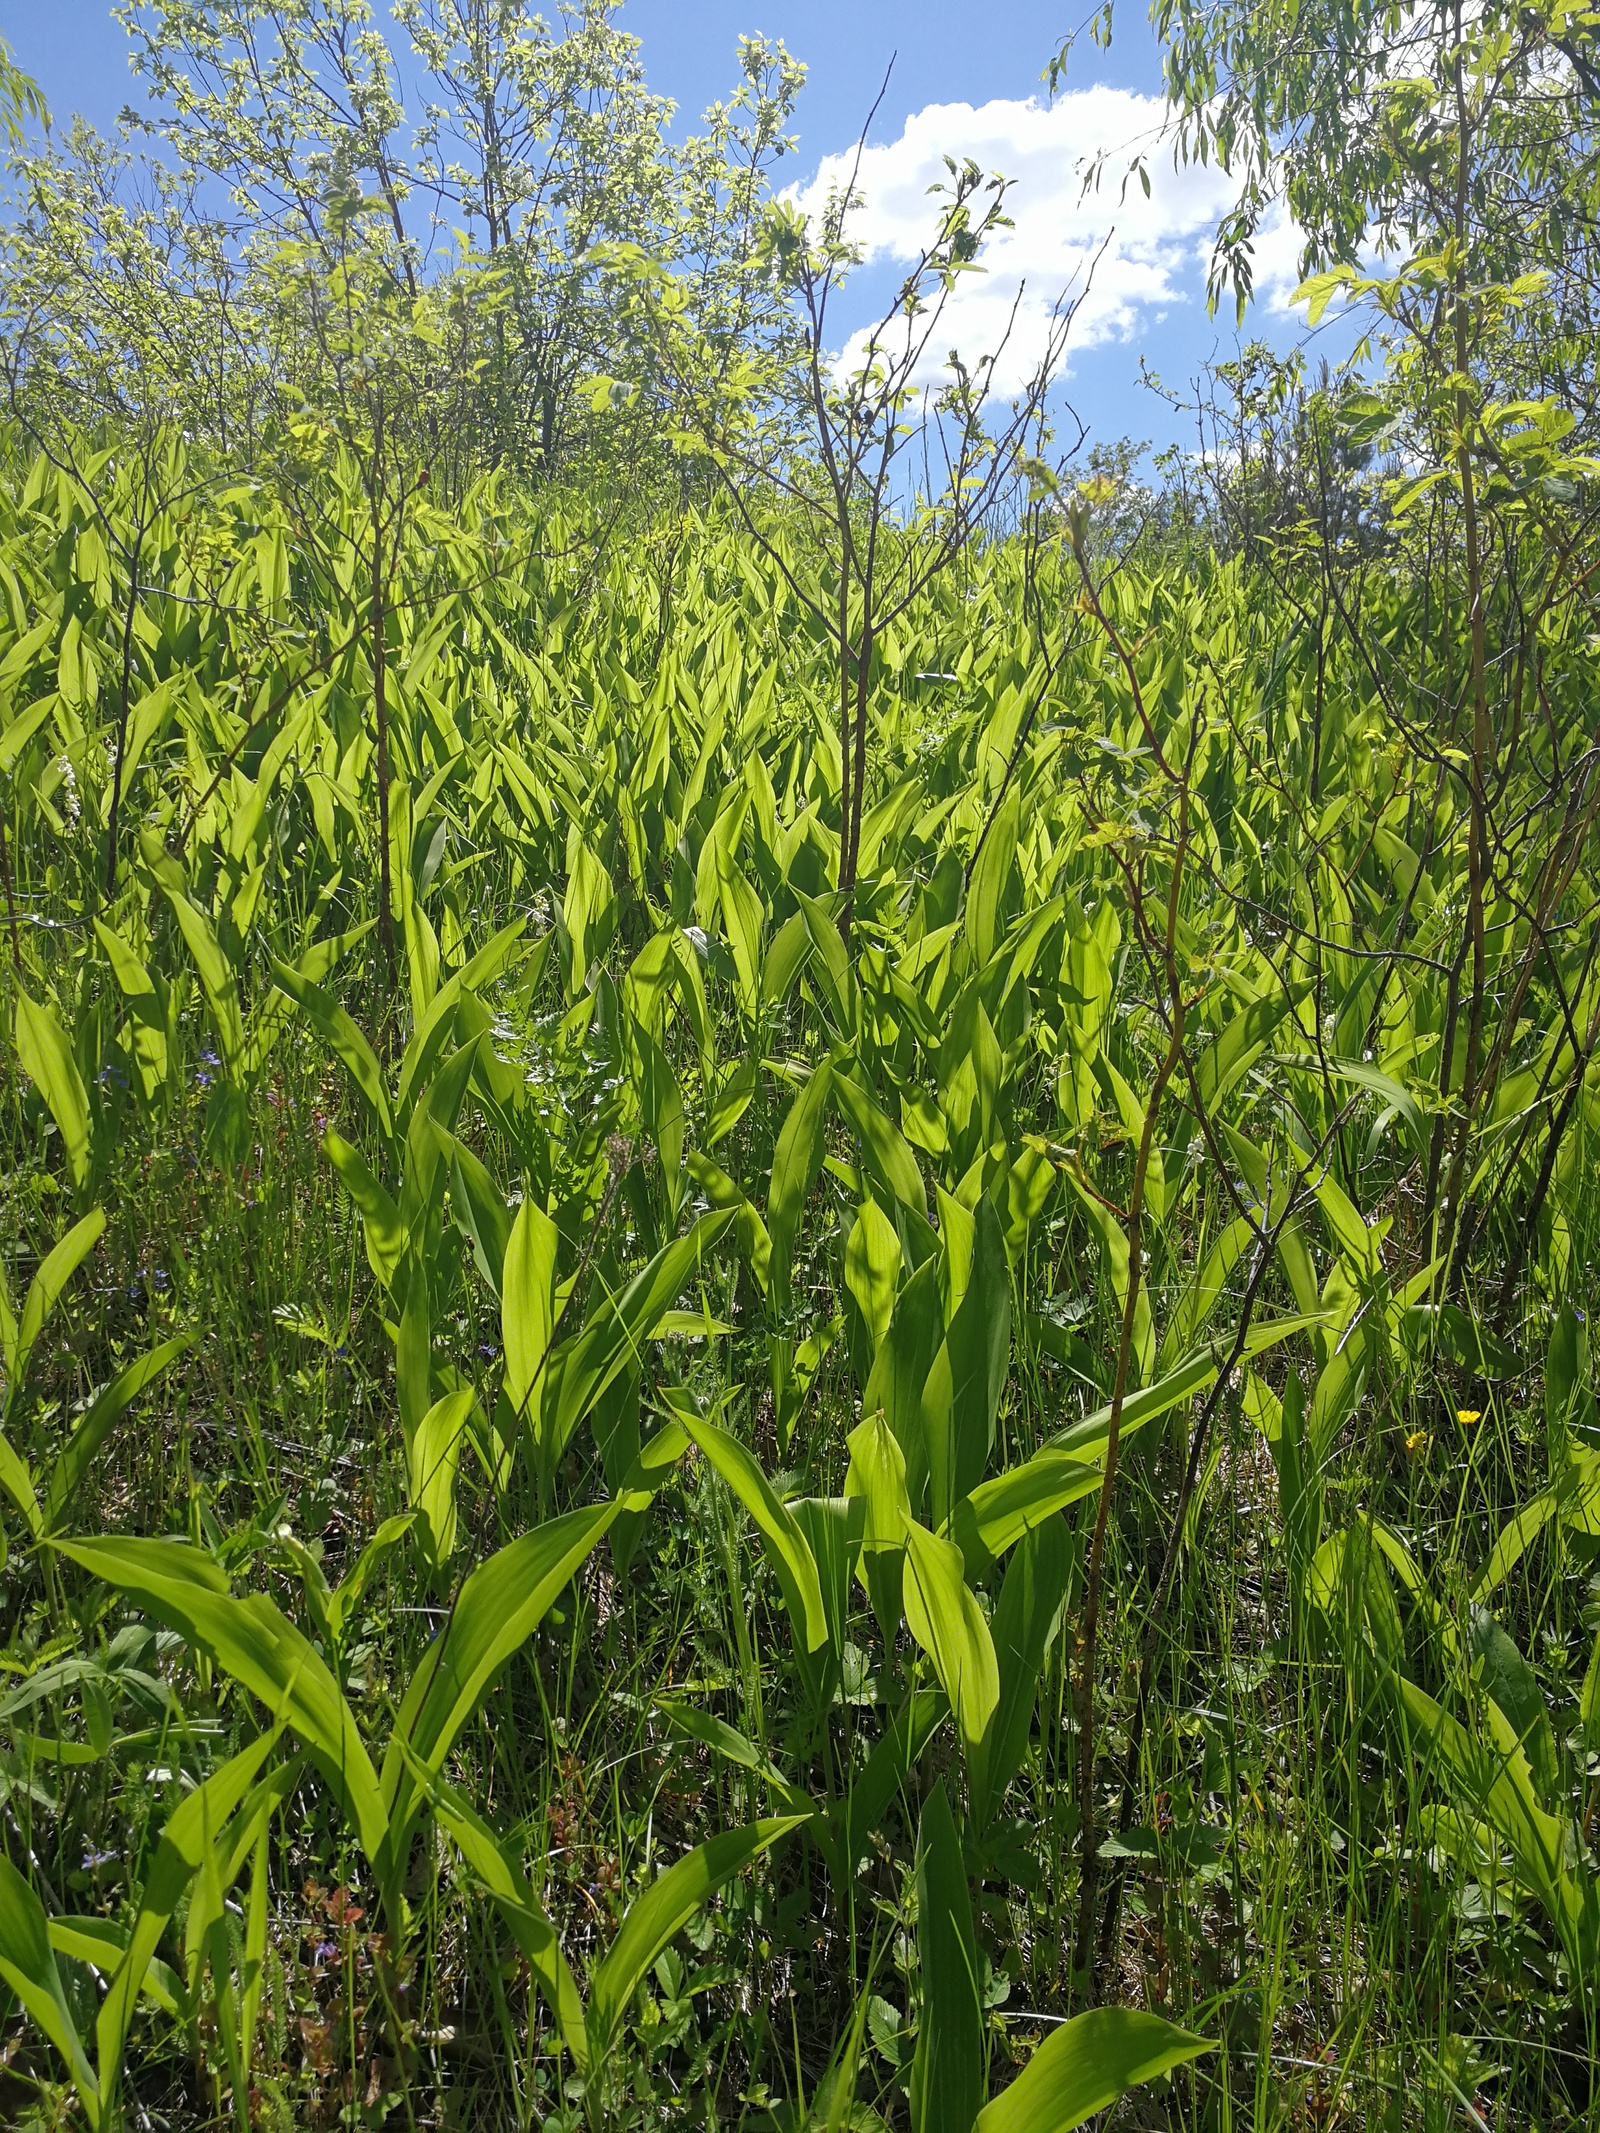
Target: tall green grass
551, 1521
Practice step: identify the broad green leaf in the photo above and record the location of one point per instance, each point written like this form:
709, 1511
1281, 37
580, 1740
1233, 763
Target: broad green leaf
16, 1478
1192, 1375
741, 917
949, 2074
348, 1594
877, 1474
1025, 1616
191, 1831
265, 1654
91, 1432
102, 1943
56, 1269
1114, 1253
871, 1268
1493, 1781
28, 1965
323, 1011
944, 1617
1501, 1672
528, 1303
47, 1060
990, 872
1230, 1056
497, 1609
999, 1512
733, 1746
786, 1546
748, 1227
887, 1774
900, 1371
1084, 2066
795, 1162
961, 1400
886, 1150
619, 1329
481, 1212
218, 980
1199, 1301
499, 1874
833, 960
433, 1457
1589, 1700
384, 1231
656, 1917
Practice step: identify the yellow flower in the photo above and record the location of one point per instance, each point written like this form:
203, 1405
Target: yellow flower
1417, 1443
1466, 1416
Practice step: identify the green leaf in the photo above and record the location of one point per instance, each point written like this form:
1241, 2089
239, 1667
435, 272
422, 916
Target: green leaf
949, 2073
741, 916
348, 1594
528, 1302
497, 1609
103, 1942
999, 1512
786, 1545
619, 1330
499, 1874
1230, 1056
1589, 1701
325, 1014
476, 1203
56, 1269
16, 1478
384, 1231
1114, 1251
990, 874
265, 1654
1084, 2066
795, 1162
833, 960
900, 1371
432, 1458
47, 1060
28, 1965
944, 1617
886, 1774
96, 1424
871, 1268
1501, 1672
886, 1149
657, 1916
1192, 1375
189, 1837
217, 978
961, 1400
1024, 1620
733, 1746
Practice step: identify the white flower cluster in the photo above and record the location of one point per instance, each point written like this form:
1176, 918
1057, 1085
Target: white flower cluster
71, 805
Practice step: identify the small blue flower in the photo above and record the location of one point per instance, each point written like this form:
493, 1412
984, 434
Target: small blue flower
93, 1860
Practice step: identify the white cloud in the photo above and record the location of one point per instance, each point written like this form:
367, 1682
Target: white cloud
1128, 257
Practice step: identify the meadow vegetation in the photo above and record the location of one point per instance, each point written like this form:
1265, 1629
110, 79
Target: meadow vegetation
795, 1253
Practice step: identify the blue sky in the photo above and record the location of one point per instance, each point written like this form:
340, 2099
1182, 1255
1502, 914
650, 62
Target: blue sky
965, 80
